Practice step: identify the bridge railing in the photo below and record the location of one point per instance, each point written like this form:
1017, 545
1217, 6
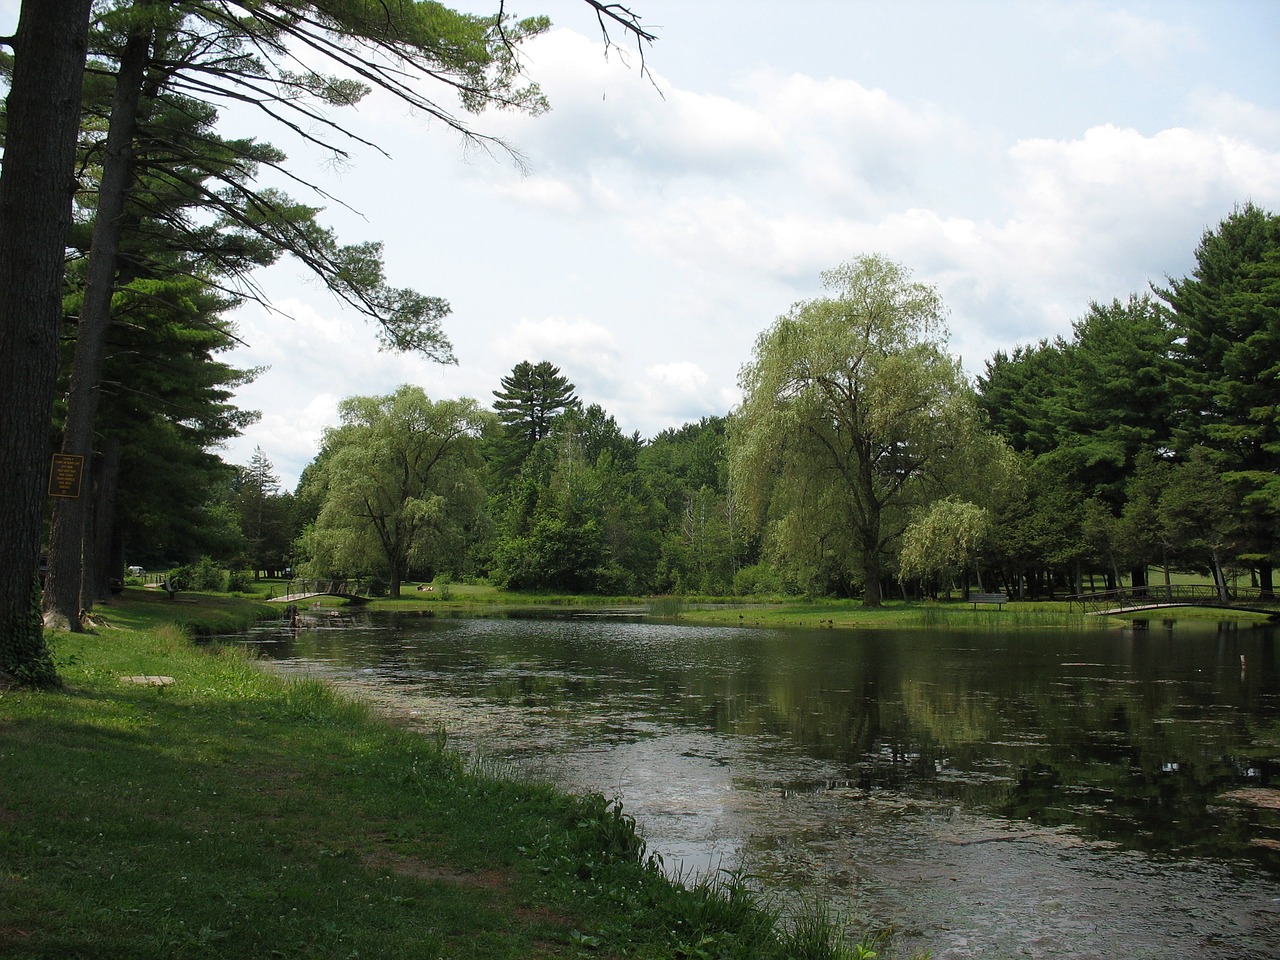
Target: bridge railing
1187, 594
342, 586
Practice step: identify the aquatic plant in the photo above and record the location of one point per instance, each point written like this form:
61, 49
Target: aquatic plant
668, 607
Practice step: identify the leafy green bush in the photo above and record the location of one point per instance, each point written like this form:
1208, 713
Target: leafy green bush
239, 581
760, 580
204, 574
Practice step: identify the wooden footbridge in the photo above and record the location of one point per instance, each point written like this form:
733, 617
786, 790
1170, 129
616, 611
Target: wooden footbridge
1128, 600
355, 591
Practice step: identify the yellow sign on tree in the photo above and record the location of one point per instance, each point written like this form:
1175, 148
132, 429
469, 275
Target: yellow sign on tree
65, 474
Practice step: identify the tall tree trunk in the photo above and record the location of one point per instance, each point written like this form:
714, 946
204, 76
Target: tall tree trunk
395, 578
1139, 576
63, 598
871, 595
115, 555
101, 545
1266, 581
1219, 578
36, 188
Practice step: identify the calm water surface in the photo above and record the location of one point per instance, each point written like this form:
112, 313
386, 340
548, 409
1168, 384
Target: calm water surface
984, 794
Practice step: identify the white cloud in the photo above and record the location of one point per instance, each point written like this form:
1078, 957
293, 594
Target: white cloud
312, 360
851, 136
709, 134
546, 193
1099, 35
683, 377
289, 435
577, 341
586, 352
1173, 166
1235, 118
1094, 216
1114, 199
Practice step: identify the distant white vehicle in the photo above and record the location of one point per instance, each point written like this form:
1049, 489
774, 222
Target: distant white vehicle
135, 571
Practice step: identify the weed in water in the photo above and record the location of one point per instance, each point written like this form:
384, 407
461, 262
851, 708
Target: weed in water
668, 608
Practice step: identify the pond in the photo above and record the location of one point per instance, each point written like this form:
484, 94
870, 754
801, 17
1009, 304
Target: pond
1021, 793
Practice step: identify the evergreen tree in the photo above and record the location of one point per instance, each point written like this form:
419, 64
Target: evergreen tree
1201, 515
1090, 406
1093, 403
266, 515
528, 401
579, 517
702, 544
157, 52
1118, 400
1022, 395
1227, 318
167, 402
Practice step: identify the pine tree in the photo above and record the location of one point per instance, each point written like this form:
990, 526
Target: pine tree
531, 397
1227, 317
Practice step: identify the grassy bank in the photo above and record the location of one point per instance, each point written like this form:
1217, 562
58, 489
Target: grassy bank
817, 614
766, 611
176, 801
750, 611
850, 614
142, 608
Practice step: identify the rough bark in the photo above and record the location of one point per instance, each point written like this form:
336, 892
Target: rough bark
36, 189
102, 562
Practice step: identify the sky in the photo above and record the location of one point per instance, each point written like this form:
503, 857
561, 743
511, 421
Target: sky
1026, 158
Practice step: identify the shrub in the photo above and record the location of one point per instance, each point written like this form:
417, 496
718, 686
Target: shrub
759, 580
204, 574
239, 581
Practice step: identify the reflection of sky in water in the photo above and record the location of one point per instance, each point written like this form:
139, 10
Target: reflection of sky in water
709, 740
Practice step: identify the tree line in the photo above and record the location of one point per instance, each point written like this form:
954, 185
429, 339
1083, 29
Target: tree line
538, 492
862, 461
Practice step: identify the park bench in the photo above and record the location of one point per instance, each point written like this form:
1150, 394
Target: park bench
1000, 599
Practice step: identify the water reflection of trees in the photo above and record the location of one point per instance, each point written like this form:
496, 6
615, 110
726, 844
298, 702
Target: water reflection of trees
1127, 739
1136, 751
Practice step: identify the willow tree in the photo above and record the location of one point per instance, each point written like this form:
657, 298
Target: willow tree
399, 485
943, 544
852, 410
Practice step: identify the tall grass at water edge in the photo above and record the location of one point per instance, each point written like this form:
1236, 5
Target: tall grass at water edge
1010, 617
